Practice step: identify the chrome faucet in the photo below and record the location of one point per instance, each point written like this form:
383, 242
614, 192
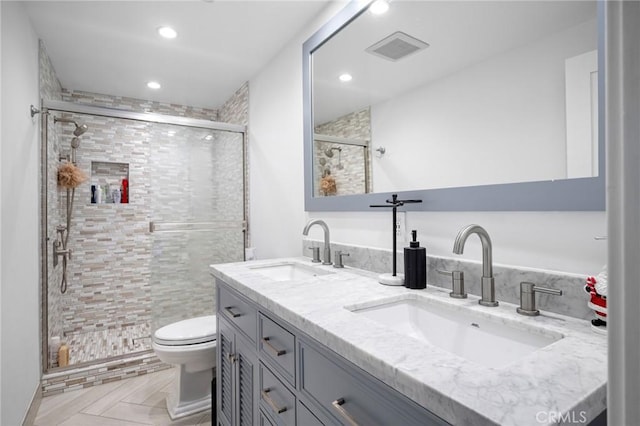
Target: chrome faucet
327, 244
488, 290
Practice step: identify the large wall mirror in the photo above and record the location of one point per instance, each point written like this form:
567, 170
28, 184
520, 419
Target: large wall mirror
467, 105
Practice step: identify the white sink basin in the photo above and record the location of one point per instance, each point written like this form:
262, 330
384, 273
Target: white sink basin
487, 340
288, 271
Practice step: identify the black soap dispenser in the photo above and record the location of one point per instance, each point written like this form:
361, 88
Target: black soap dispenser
415, 264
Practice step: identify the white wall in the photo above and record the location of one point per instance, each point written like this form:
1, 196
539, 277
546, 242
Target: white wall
501, 120
19, 153
555, 240
276, 204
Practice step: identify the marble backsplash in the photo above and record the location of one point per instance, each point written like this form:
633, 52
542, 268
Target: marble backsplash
573, 301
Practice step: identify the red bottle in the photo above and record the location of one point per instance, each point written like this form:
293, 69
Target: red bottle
124, 198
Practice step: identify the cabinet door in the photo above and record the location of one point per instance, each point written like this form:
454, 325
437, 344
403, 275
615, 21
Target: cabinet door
246, 372
238, 370
225, 370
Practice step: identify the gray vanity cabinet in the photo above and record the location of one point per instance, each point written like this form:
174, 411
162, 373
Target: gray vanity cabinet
273, 373
237, 361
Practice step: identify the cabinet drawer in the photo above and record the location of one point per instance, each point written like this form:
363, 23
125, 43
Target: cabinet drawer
306, 417
238, 312
276, 399
264, 420
279, 346
352, 397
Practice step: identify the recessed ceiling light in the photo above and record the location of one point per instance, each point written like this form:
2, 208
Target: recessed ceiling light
379, 7
171, 132
153, 85
208, 137
167, 32
345, 77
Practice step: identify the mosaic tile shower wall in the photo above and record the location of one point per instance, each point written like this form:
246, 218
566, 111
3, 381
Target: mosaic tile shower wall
123, 280
348, 165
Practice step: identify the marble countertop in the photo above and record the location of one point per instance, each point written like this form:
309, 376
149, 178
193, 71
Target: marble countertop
563, 382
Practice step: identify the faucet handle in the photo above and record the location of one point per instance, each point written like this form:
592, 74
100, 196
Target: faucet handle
338, 259
528, 297
316, 254
457, 281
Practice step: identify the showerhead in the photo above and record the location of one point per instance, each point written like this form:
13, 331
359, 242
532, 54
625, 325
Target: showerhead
329, 151
79, 130
75, 142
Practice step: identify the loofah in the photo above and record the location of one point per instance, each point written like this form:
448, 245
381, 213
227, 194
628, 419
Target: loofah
70, 176
328, 185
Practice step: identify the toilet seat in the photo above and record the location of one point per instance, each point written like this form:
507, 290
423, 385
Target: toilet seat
187, 332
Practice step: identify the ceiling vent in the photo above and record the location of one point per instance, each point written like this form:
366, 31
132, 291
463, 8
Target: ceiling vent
397, 46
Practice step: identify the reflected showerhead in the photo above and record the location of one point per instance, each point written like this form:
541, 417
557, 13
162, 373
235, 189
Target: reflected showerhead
329, 151
79, 131
75, 142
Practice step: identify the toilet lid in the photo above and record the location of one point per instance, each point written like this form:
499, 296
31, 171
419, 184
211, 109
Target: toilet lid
187, 332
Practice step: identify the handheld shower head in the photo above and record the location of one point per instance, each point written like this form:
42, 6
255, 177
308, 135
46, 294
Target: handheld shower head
75, 142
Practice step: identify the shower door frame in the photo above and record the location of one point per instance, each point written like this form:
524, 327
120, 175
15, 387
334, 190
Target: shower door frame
48, 106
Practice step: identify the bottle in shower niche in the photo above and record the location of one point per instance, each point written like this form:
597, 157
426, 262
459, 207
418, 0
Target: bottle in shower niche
107, 194
115, 194
94, 195
125, 191
415, 264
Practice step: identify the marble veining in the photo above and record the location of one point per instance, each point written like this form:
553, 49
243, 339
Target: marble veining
573, 302
567, 376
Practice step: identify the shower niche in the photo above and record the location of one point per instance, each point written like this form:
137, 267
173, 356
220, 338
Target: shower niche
109, 183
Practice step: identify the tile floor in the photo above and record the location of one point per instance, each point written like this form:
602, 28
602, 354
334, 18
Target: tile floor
131, 402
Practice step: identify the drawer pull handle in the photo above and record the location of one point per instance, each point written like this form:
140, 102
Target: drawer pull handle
276, 352
265, 395
337, 404
230, 311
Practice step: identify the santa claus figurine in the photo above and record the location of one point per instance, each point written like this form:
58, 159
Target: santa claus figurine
597, 288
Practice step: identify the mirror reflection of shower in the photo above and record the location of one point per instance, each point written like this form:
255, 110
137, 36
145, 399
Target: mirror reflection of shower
342, 174
69, 178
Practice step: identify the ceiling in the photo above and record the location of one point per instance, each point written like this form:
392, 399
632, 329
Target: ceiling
112, 47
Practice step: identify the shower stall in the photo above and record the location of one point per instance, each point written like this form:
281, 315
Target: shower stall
127, 250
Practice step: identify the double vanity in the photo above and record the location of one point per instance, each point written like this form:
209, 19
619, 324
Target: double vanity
302, 343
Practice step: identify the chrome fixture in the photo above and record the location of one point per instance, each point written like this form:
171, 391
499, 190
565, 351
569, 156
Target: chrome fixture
327, 243
457, 281
338, 259
33, 110
316, 254
381, 150
80, 128
329, 151
488, 290
528, 298
75, 142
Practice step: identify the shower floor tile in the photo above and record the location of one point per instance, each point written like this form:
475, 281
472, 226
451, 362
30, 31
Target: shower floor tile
103, 344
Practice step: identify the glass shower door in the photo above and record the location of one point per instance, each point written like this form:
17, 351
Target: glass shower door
197, 217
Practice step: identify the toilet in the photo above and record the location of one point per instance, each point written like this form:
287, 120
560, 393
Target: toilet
191, 346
